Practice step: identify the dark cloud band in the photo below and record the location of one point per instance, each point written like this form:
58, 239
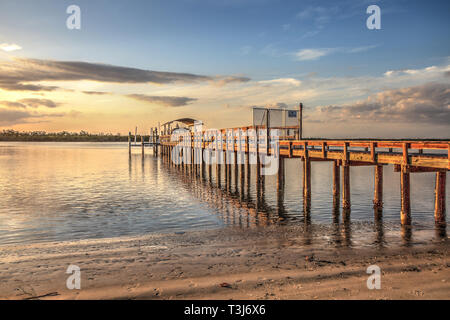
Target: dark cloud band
167, 101
19, 73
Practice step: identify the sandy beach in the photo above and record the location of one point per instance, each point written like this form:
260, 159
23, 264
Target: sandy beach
261, 263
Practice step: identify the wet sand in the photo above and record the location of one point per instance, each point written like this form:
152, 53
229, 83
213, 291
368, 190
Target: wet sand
231, 263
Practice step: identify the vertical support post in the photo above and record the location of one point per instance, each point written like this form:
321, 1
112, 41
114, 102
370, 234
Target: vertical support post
405, 213
258, 168
182, 158
210, 165
242, 174
226, 160
156, 141
267, 130
236, 167
300, 121
218, 169
324, 150
280, 176
129, 143
346, 203
378, 191
142, 144
193, 155
247, 160
241, 161
373, 146
306, 175
230, 154
200, 155
218, 156
336, 183
439, 204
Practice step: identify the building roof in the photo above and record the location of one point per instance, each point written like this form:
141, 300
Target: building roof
186, 121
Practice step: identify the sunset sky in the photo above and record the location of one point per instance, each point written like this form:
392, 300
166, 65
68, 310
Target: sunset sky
143, 62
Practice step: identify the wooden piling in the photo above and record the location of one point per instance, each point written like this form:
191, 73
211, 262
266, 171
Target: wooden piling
193, 167
210, 166
156, 142
439, 204
242, 170
336, 183
225, 154
242, 175
258, 172
129, 143
405, 213
378, 192
306, 175
236, 171
202, 164
346, 203
229, 163
280, 173
218, 169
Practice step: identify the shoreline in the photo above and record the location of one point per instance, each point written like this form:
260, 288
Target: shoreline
267, 263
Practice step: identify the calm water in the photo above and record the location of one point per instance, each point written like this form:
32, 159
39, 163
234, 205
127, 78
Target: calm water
70, 191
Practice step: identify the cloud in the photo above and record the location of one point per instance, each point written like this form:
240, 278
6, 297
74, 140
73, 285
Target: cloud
30, 102
11, 117
282, 81
409, 72
16, 74
320, 16
12, 104
311, 54
96, 92
167, 101
277, 105
272, 51
428, 103
316, 53
8, 47
15, 86
221, 81
35, 103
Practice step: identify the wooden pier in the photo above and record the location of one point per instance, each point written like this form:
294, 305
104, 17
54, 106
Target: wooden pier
237, 145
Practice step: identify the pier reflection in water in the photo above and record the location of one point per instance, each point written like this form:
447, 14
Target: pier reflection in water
229, 190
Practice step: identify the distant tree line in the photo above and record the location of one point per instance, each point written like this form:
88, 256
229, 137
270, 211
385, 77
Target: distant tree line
63, 136
83, 136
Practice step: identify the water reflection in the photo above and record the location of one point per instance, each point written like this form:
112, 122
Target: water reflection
380, 240
239, 205
406, 232
441, 231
